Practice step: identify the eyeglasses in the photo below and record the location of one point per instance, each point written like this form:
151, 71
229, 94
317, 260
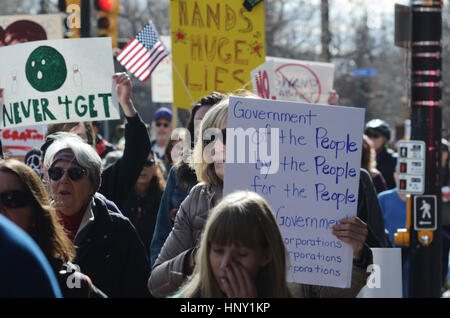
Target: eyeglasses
213, 138
75, 173
149, 163
373, 134
14, 199
162, 124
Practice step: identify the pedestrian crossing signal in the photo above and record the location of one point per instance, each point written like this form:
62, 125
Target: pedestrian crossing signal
425, 212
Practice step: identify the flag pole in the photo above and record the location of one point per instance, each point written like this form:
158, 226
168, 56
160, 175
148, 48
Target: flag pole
181, 79
175, 109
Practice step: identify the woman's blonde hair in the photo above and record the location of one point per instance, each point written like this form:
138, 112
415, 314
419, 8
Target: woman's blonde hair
242, 218
46, 230
214, 119
368, 156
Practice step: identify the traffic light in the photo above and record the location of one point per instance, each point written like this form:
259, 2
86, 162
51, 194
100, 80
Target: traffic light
72, 20
107, 19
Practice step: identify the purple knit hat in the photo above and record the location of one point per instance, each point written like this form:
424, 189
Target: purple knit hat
68, 155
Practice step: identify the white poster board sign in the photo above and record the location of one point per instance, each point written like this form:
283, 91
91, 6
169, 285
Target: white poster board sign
308, 171
56, 81
385, 280
18, 141
161, 79
294, 80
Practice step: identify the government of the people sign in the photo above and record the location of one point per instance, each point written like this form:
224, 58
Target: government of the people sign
56, 81
304, 159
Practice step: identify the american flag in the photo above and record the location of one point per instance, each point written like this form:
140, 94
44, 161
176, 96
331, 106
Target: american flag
143, 53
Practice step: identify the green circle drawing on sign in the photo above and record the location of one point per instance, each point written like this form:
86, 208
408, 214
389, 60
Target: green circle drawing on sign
46, 69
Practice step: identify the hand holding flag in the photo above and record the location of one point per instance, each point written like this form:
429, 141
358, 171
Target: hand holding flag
143, 53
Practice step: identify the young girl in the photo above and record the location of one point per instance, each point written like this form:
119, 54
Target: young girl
241, 254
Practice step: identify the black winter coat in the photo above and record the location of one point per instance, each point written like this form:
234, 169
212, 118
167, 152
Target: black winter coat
73, 283
142, 212
119, 178
369, 211
386, 164
112, 255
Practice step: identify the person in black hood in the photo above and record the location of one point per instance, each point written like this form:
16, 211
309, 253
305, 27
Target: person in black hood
142, 205
380, 134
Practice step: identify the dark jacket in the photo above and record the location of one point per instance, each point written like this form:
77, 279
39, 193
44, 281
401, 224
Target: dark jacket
119, 178
103, 147
386, 164
142, 211
72, 282
111, 254
177, 189
369, 211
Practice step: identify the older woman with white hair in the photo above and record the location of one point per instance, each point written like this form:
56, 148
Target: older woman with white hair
109, 250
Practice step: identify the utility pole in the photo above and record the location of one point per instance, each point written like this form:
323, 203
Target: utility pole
85, 30
426, 123
325, 56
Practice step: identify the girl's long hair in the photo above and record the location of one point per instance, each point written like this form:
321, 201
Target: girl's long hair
45, 230
244, 219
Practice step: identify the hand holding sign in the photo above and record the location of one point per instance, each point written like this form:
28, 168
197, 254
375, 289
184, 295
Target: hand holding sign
352, 231
333, 99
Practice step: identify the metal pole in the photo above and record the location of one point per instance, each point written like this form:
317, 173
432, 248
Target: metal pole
85, 31
426, 122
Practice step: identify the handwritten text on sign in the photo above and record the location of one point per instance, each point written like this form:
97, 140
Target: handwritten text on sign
57, 81
294, 80
215, 45
313, 183
20, 140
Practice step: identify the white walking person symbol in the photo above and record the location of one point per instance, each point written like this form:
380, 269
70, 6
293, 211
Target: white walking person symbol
426, 208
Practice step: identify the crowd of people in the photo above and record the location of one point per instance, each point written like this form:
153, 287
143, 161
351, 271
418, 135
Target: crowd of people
148, 218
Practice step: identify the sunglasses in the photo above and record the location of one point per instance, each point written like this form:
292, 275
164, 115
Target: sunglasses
149, 163
14, 199
75, 173
373, 135
162, 124
213, 138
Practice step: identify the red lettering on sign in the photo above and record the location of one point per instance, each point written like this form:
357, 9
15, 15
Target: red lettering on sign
262, 84
28, 134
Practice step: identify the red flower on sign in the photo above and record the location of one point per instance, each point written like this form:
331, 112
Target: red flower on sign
255, 48
180, 36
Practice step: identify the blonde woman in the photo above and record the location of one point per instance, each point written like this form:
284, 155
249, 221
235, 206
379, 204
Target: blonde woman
176, 260
241, 254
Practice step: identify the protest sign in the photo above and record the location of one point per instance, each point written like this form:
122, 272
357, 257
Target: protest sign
56, 81
161, 79
304, 159
25, 28
295, 80
215, 45
18, 141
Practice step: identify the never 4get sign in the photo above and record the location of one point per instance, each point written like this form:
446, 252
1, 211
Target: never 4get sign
57, 81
